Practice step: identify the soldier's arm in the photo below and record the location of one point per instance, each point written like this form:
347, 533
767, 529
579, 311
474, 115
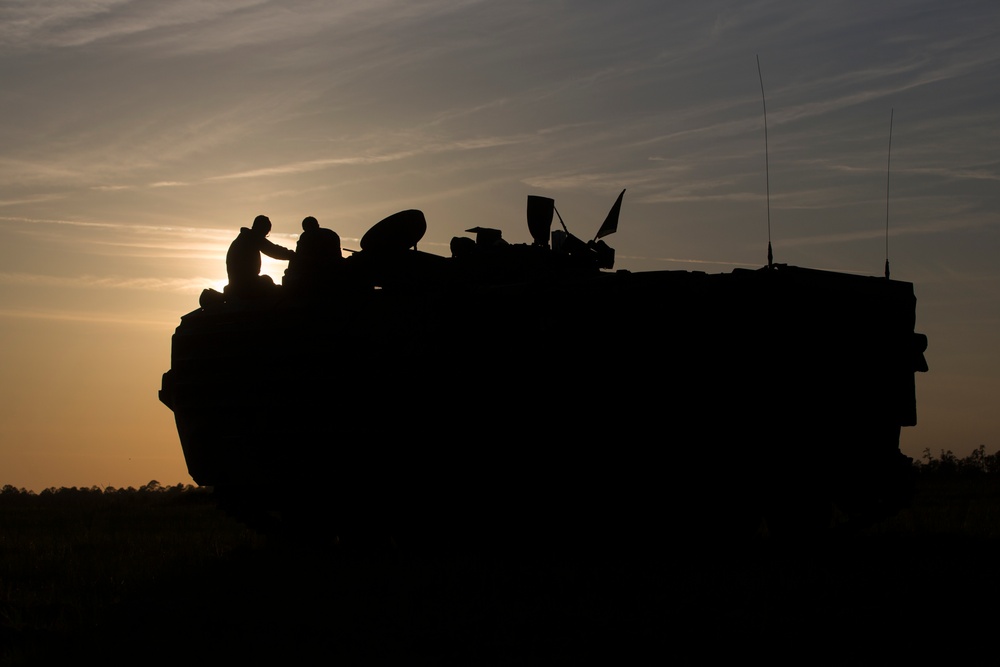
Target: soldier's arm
276, 251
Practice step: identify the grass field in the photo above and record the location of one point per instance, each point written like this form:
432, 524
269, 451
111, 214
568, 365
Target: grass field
162, 576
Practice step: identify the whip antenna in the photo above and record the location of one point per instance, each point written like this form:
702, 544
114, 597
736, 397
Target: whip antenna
767, 178
887, 162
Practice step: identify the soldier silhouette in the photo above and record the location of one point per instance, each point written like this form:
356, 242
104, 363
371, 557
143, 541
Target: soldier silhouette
243, 260
317, 257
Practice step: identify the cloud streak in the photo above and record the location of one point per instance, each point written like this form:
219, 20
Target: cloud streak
51, 23
82, 317
122, 240
182, 285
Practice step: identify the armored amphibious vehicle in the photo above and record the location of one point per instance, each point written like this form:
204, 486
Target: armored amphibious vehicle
532, 384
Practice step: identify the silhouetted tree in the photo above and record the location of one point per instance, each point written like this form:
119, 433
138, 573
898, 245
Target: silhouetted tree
978, 462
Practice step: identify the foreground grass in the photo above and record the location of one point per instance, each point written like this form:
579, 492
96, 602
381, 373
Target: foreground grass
960, 505
164, 576
68, 557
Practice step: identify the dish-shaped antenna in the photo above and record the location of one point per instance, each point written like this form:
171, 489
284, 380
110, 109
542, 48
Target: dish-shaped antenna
399, 231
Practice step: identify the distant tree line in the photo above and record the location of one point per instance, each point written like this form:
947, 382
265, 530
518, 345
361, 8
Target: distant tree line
947, 463
976, 463
65, 492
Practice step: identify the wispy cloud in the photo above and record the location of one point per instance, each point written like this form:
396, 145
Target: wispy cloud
183, 285
44, 221
62, 24
982, 173
313, 165
676, 198
84, 317
936, 227
121, 239
688, 261
200, 26
430, 148
186, 232
38, 199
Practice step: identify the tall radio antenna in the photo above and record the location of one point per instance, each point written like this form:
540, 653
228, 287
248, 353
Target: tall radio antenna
767, 177
887, 162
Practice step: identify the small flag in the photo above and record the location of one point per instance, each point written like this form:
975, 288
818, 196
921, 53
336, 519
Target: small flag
610, 225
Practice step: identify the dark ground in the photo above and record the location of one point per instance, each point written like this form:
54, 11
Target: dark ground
893, 595
872, 600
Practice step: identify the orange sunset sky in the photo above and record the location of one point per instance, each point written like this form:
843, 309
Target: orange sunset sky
139, 136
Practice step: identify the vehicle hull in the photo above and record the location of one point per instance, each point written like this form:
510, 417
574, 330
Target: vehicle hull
611, 399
